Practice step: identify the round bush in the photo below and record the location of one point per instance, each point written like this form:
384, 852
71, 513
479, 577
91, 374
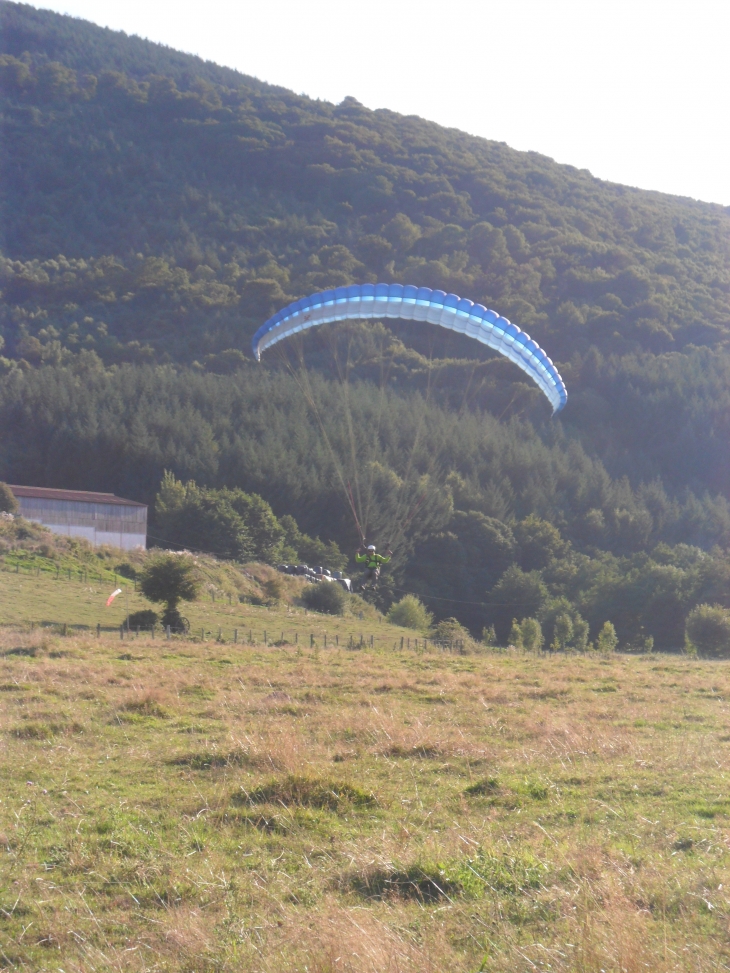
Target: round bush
127, 570
451, 630
144, 619
708, 631
327, 597
410, 612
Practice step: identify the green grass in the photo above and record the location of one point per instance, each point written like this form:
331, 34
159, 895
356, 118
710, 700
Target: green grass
314, 810
191, 805
36, 595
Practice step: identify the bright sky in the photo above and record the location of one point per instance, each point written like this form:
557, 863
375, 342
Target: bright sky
636, 91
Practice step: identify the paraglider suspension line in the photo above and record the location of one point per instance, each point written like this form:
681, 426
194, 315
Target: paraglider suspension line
354, 511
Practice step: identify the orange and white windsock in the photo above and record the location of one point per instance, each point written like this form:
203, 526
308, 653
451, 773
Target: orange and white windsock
112, 596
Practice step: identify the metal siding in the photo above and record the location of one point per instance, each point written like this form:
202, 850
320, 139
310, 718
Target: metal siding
99, 523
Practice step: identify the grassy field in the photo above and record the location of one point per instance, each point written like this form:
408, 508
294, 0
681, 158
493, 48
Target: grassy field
198, 806
30, 598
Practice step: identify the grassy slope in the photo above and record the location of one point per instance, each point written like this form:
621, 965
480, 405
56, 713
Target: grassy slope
43, 599
50, 580
180, 807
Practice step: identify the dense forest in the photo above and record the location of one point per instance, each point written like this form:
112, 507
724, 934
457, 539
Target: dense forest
155, 209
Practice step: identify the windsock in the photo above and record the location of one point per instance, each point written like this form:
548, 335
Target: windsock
112, 596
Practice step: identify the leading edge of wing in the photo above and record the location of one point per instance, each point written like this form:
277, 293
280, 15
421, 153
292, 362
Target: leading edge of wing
412, 303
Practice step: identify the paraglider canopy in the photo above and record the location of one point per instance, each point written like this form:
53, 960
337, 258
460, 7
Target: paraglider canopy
412, 303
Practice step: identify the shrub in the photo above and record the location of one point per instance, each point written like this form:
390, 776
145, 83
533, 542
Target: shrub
563, 633
515, 634
274, 588
8, 503
607, 639
127, 570
708, 631
144, 619
532, 637
489, 636
518, 594
327, 597
410, 612
580, 634
451, 630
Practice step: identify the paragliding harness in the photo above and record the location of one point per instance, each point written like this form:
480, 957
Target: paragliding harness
372, 561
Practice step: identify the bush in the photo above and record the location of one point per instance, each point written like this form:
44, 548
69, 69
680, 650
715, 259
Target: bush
518, 594
451, 630
563, 633
580, 634
327, 597
531, 633
144, 619
570, 631
607, 639
527, 635
489, 636
708, 631
410, 612
8, 503
274, 588
127, 570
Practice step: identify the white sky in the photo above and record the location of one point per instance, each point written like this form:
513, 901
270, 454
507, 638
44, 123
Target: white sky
637, 92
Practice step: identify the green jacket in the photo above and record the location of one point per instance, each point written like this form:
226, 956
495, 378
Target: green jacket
372, 560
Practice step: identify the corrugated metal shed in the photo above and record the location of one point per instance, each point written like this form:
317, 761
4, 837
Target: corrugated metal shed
101, 518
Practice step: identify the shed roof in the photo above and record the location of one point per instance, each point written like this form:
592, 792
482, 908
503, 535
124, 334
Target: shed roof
73, 496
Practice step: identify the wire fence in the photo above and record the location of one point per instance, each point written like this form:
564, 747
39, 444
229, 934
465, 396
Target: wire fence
260, 638
84, 575
313, 640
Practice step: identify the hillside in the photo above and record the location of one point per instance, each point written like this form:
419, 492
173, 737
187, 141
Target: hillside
174, 189
156, 208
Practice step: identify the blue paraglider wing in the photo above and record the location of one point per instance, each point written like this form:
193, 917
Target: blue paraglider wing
417, 304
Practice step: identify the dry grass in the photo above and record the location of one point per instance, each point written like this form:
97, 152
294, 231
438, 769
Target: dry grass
189, 808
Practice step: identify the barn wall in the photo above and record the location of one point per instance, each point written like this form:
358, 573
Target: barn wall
98, 523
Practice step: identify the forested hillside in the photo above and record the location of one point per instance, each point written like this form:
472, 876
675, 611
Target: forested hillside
155, 209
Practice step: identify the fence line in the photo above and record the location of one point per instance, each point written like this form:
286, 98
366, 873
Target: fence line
237, 636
